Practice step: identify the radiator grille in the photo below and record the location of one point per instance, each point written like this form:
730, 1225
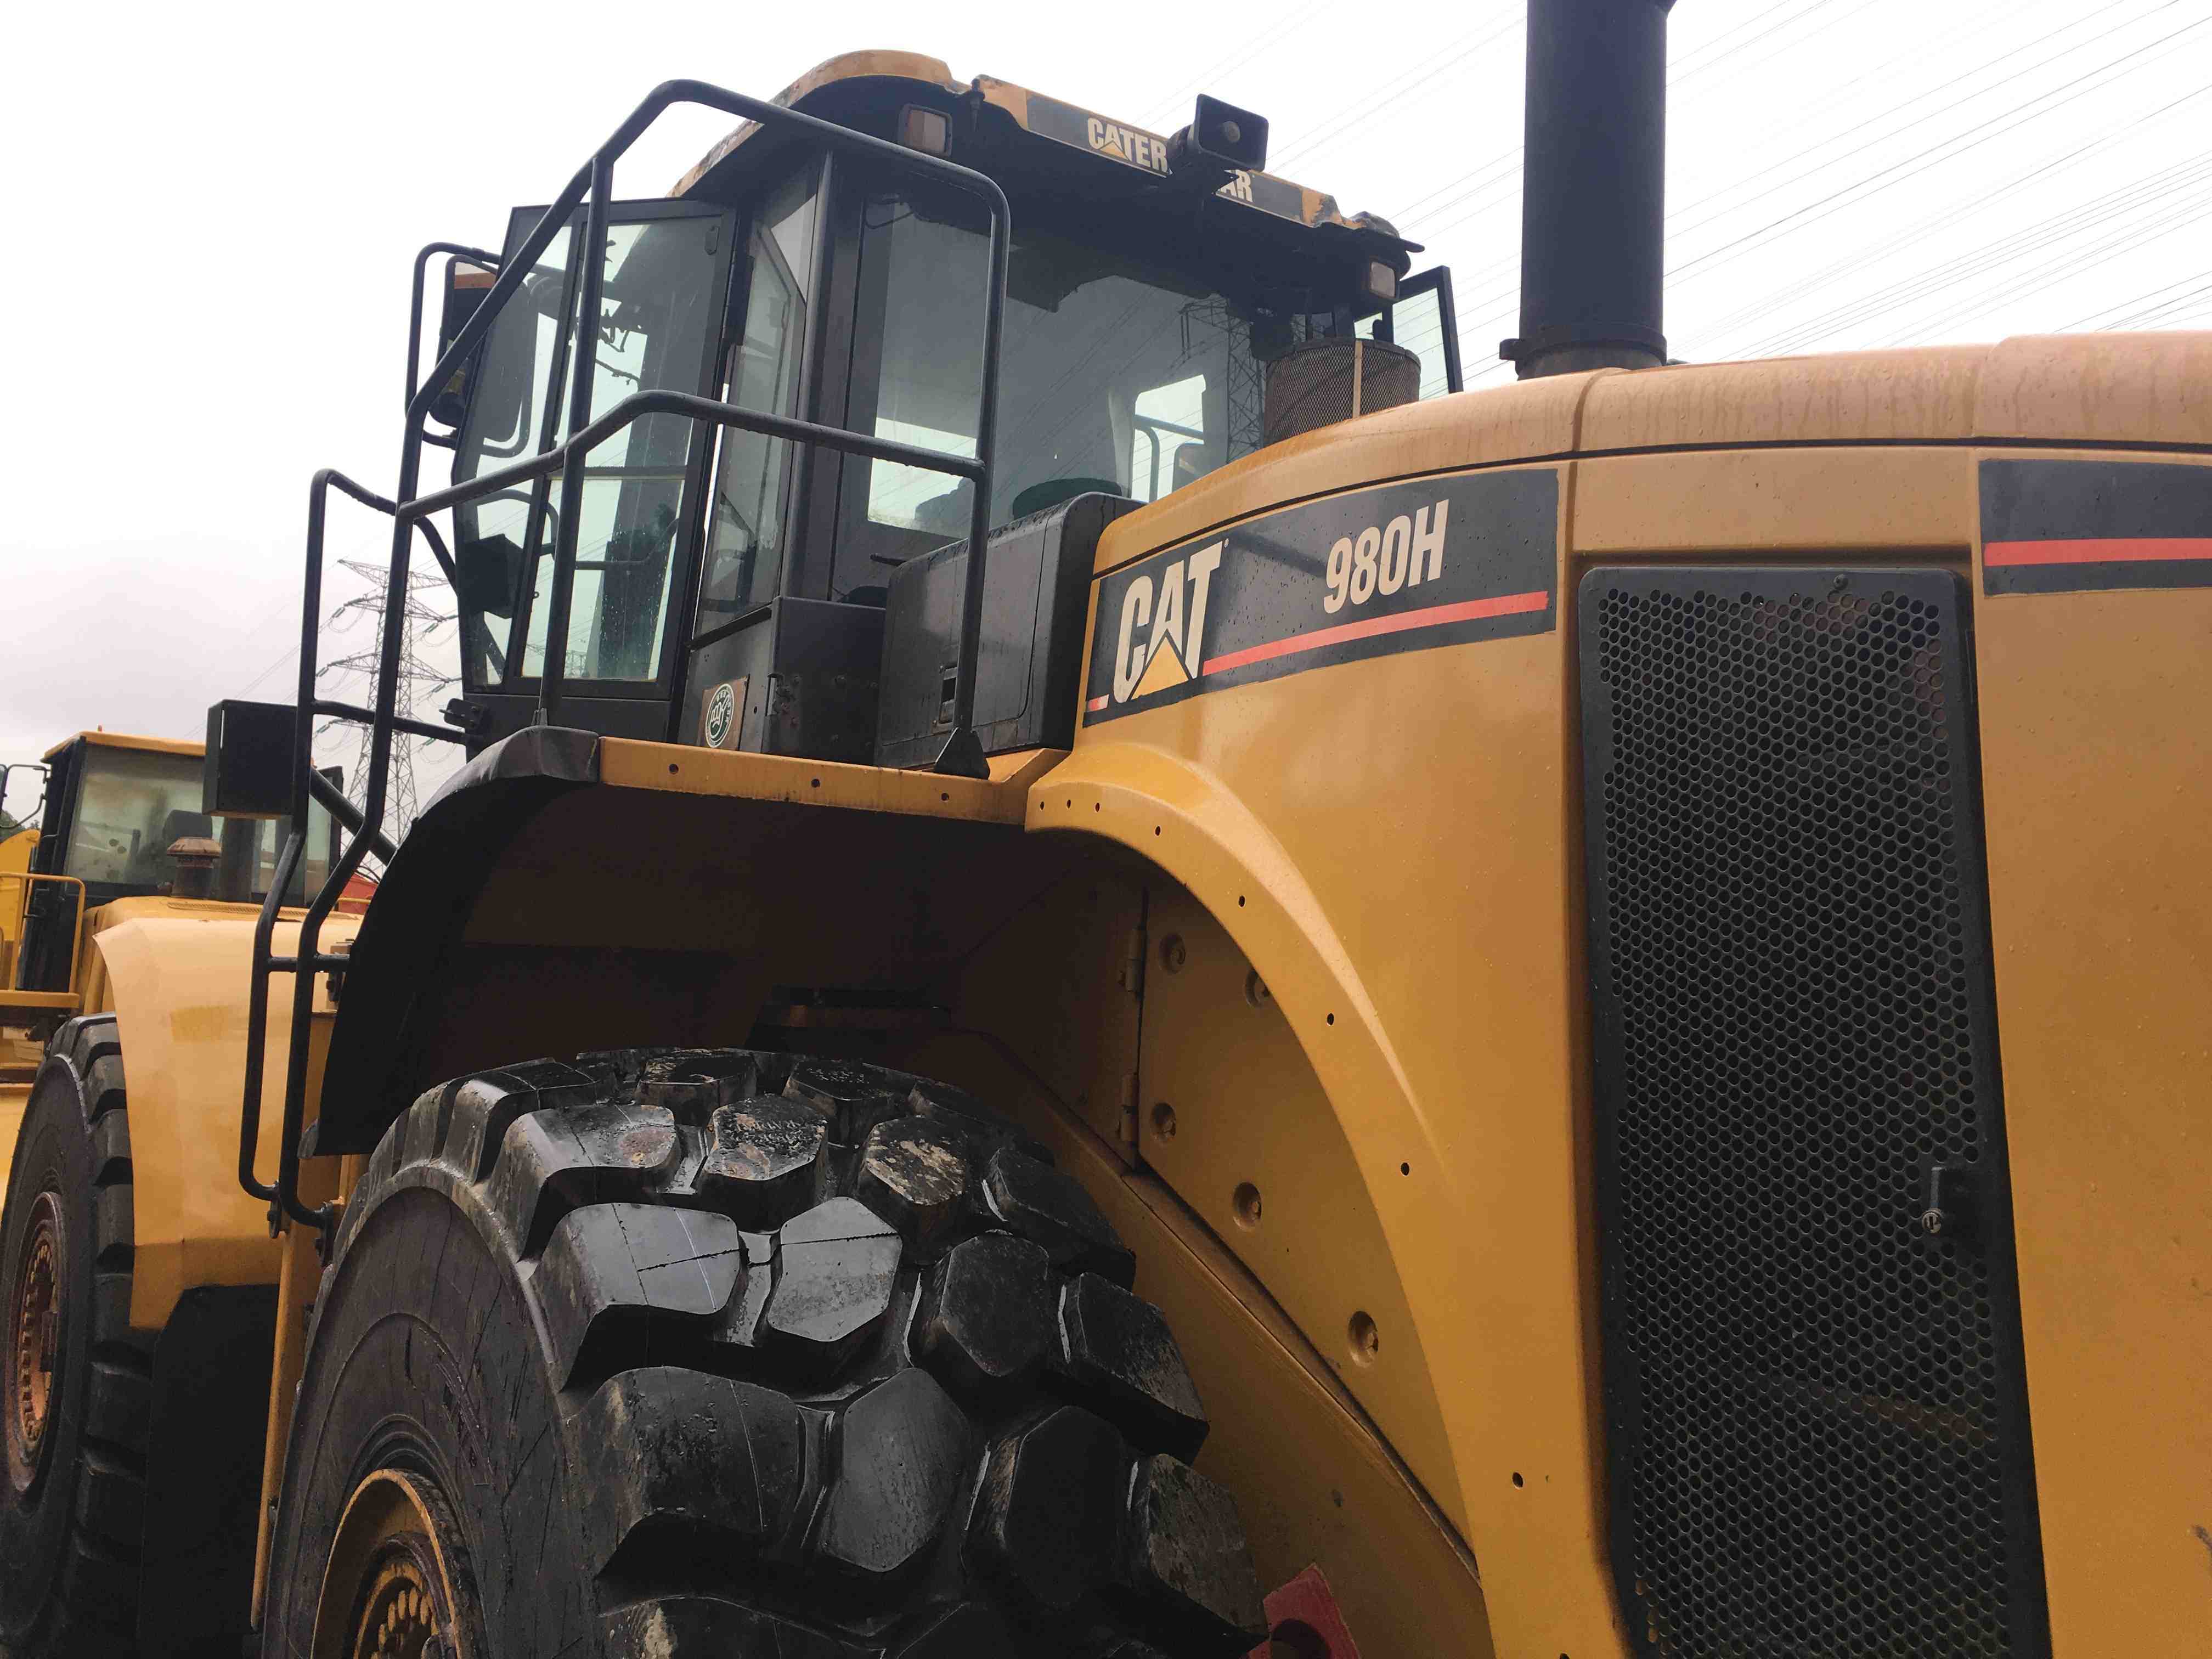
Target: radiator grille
1818, 1436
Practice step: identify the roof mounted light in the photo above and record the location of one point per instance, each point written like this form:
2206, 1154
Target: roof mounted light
929, 130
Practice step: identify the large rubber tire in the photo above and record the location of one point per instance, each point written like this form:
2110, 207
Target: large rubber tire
72, 1493
693, 1352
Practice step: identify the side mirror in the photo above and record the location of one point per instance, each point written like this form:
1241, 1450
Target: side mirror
249, 760
487, 575
466, 287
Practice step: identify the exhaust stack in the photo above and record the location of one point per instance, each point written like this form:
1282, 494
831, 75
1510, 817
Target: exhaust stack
1592, 187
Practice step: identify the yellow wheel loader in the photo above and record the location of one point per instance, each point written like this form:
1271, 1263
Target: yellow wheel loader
1111, 975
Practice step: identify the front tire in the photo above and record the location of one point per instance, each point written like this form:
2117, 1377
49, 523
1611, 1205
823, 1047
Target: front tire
687, 1353
78, 1379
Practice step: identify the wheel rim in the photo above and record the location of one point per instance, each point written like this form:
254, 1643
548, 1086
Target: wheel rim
398, 1584
35, 1338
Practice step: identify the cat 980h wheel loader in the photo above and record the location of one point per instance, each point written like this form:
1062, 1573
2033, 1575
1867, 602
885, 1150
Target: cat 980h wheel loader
1111, 975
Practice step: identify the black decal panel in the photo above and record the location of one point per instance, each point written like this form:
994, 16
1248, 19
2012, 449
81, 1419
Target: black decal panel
2075, 527
1148, 152
1399, 568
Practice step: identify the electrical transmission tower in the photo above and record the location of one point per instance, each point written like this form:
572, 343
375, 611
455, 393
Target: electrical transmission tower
417, 677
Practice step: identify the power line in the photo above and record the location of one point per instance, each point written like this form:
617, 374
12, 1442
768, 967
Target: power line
2158, 194
1279, 33
1396, 91
1872, 184
2142, 308
1493, 306
1949, 214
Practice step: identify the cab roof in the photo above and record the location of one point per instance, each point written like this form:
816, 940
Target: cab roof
124, 741
879, 82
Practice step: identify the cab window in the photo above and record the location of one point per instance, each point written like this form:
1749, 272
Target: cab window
132, 805
745, 558
660, 313
1114, 376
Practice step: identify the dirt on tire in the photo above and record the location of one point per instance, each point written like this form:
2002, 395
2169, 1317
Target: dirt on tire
724, 1352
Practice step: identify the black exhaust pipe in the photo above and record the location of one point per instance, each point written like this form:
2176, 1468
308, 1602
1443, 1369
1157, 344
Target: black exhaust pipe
1593, 188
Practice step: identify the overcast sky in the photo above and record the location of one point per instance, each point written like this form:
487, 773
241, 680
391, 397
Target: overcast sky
215, 208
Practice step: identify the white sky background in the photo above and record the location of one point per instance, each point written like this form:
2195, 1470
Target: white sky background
216, 208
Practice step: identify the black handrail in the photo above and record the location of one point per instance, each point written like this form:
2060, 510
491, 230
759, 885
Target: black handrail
592, 188
257, 1024
349, 815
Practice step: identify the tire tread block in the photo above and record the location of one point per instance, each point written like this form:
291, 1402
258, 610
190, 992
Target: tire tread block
1116, 1349
119, 1405
635, 1260
476, 1110
987, 1319
113, 1227
693, 1082
1184, 1558
111, 1500
1050, 1208
667, 1447
984, 1131
902, 1452
555, 1160
1048, 1514
914, 1173
99, 1597
111, 1150
103, 1085
853, 1095
836, 1268
767, 1160
79, 1041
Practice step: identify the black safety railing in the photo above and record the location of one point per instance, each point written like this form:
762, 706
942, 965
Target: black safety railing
590, 189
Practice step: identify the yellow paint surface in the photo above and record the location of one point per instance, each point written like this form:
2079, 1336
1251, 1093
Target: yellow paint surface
2097, 768
174, 973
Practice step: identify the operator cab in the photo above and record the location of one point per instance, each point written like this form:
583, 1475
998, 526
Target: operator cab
738, 590
113, 806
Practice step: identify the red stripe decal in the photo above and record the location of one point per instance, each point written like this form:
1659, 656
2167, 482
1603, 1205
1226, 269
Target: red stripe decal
1096, 704
2123, 549
1508, 605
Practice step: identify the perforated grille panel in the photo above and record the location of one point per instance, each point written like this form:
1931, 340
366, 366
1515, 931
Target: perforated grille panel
1817, 1431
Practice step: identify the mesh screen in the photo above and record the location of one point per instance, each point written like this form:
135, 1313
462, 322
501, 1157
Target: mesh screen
1818, 1447
1312, 387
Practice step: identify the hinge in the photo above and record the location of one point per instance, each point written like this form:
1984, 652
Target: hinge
1129, 1112
1132, 962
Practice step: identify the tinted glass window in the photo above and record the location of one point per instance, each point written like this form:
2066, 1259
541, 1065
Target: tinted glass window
260, 840
659, 304
131, 807
657, 307
506, 420
1114, 376
745, 557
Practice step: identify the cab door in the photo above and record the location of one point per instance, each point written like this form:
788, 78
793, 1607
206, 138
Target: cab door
665, 295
